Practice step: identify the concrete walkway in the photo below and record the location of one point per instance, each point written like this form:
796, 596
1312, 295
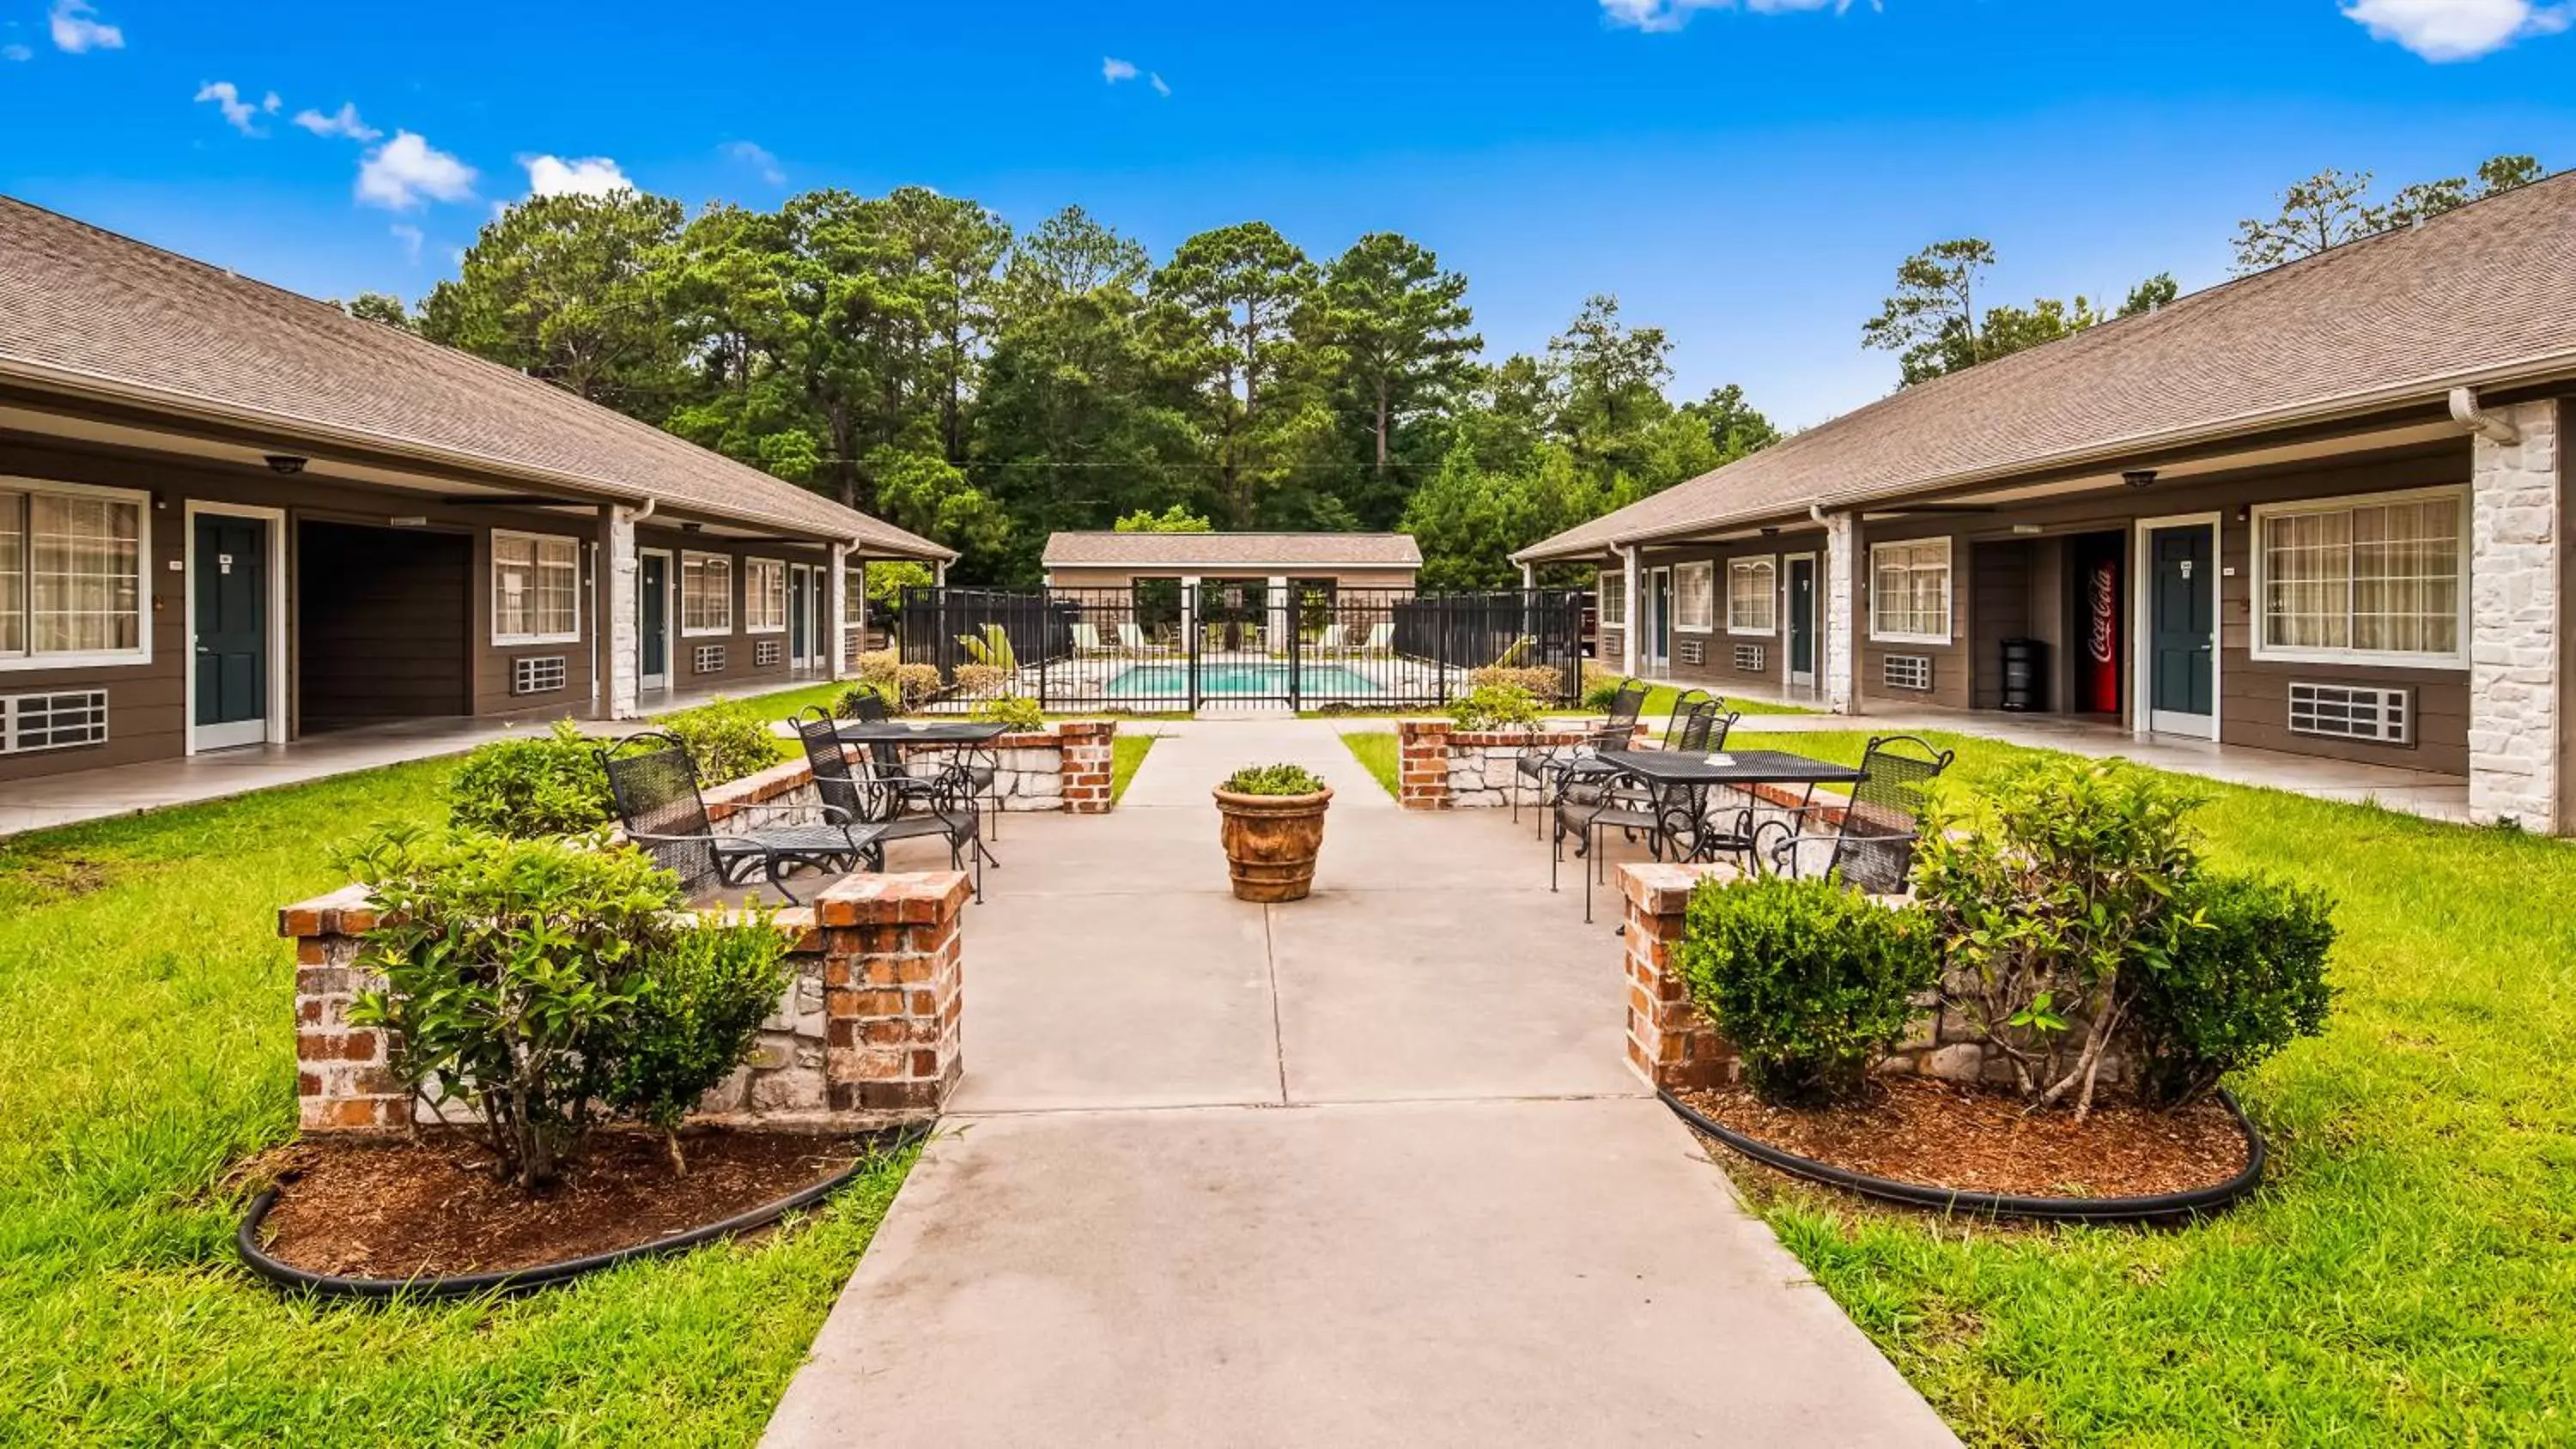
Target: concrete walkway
1363, 1169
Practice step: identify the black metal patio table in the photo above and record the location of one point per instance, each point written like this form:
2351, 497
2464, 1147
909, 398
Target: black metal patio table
961, 735
1679, 782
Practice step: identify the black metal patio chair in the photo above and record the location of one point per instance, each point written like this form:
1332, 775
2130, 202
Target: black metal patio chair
1874, 835
889, 807
1591, 803
1544, 769
655, 786
979, 766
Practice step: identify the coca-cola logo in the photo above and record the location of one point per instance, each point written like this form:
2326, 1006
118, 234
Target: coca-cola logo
2106, 612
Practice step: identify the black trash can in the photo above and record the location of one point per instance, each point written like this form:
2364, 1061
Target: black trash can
2025, 675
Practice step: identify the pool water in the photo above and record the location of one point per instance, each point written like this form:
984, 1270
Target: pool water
1172, 681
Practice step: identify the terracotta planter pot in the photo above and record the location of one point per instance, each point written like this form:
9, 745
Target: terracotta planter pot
1271, 842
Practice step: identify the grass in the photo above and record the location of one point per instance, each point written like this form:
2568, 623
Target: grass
146, 1051
1127, 756
1376, 750
2404, 1274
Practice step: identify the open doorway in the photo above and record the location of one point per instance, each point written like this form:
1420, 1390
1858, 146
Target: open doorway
384, 625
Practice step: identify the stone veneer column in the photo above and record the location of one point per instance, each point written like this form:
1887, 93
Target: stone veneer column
1628, 594
2514, 652
1090, 751
836, 616
892, 989
618, 605
1837, 651
1670, 1043
1422, 763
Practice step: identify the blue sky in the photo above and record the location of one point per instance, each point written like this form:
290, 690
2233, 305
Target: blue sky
1746, 175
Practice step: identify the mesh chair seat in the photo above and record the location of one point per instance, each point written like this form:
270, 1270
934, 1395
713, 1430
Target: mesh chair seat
662, 812
1875, 834
889, 805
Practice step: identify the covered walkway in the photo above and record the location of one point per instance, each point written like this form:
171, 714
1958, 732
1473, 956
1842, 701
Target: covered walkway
1362, 1169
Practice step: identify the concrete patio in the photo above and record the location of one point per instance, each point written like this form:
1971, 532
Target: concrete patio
1366, 1168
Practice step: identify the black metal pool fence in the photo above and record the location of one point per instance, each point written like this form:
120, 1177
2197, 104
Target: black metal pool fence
1161, 645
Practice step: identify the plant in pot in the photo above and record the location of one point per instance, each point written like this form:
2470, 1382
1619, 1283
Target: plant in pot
1271, 818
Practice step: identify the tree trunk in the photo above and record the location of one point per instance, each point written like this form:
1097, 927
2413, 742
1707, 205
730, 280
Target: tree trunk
1381, 422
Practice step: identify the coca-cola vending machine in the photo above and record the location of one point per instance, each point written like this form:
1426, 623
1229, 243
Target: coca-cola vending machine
2098, 670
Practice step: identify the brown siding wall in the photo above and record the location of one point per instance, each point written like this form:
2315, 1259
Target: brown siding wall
1716, 669
742, 672
2253, 696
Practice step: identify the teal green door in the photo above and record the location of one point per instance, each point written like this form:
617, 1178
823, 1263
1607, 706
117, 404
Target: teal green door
652, 634
2182, 630
228, 566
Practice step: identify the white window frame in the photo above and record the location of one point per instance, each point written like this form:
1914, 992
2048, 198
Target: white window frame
733, 577
27, 658
1949, 591
1707, 570
785, 596
1769, 561
2258, 648
1613, 600
493, 569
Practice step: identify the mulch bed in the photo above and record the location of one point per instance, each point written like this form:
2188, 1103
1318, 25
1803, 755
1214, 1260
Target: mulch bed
1979, 1139
433, 1208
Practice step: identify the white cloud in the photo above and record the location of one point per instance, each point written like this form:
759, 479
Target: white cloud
1114, 70
759, 160
402, 172
2443, 30
270, 103
16, 52
238, 113
76, 32
342, 122
1674, 14
1161, 86
582, 176
410, 237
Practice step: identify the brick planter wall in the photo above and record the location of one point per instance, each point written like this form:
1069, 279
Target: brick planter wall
869, 1029
1442, 767
1673, 1045
1065, 766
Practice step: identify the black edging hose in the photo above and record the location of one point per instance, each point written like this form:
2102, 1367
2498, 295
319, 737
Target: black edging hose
1996, 1204
544, 1275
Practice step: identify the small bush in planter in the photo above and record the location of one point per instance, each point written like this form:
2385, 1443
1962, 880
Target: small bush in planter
1542, 685
726, 741
695, 1015
2242, 975
1273, 780
1495, 707
982, 681
527, 789
1017, 711
911, 685
1810, 981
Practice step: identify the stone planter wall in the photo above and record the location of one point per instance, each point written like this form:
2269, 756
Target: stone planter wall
1065, 766
1442, 767
1673, 1045
867, 1032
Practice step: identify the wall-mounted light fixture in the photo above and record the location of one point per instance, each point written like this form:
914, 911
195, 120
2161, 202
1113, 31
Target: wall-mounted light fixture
2139, 477
285, 464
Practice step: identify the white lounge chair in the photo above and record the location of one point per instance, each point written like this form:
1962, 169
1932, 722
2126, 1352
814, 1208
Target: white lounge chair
1330, 639
1086, 639
1132, 638
1380, 637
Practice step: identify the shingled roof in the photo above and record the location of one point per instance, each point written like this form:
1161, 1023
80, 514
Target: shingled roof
1240, 550
84, 309
2484, 295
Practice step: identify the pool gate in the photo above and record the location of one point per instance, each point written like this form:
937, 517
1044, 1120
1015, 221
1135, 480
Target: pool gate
1159, 645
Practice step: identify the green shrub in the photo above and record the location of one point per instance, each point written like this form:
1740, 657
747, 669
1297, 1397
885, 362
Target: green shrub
1018, 711
910, 685
1273, 780
510, 968
2050, 904
990, 646
1542, 685
726, 741
1495, 707
2243, 975
1810, 981
845, 705
1600, 688
532, 787
696, 1015
982, 681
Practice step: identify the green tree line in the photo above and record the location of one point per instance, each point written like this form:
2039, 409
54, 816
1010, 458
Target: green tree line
912, 355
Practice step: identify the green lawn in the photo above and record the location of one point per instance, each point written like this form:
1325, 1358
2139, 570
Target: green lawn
146, 1049
1128, 755
1377, 750
2405, 1275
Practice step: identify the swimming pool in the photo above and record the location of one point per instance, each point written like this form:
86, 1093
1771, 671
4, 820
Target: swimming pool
1172, 681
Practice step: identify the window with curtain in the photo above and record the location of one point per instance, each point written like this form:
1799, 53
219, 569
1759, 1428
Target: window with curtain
71, 574
764, 596
706, 593
2371, 578
536, 588
1752, 596
1909, 591
1614, 601
1695, 597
